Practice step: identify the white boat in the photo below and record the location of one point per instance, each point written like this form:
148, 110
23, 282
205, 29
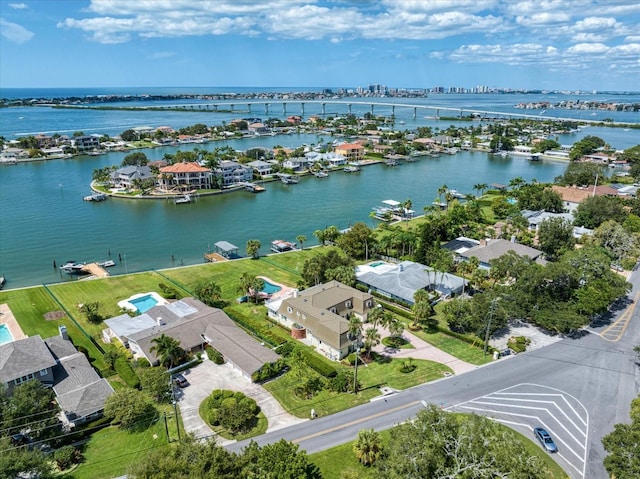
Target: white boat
73, 267
320, 174
107, 264
351, 169
289, 179
280, 246
182, 199
96, 197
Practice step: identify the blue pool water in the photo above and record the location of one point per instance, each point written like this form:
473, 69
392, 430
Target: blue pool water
377, 263
270, 288
5, 334
144, 303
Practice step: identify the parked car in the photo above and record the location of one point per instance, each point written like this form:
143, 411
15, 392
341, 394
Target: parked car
506, 352
180, 381
545, 439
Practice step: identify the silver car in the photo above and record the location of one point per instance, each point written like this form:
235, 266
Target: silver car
545, 439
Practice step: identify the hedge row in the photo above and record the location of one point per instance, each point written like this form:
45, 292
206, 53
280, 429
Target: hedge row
318, 364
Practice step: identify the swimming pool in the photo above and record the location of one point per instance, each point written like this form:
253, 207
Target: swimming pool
270, 288
144, 303
377, 263
5, 334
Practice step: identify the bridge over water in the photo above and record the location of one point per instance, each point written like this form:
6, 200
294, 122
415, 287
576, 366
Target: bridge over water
298, 107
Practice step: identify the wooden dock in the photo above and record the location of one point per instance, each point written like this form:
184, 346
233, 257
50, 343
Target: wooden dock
95, 270
214, 257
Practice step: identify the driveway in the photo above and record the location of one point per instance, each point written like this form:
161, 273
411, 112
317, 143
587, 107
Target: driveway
208, 376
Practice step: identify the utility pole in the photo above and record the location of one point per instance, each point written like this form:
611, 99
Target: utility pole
355, 375
486, 336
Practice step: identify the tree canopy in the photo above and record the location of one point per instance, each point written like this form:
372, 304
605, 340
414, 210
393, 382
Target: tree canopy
623, 446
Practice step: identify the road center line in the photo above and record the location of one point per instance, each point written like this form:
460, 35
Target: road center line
352, 423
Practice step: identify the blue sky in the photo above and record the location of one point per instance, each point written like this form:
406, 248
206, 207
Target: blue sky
541, 44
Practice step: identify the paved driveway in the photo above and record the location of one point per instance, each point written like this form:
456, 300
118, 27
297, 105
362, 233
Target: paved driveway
208, 376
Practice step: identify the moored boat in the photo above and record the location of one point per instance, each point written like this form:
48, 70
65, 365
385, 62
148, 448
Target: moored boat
351, 169
289, 179
73, 267
182, 199
280, 246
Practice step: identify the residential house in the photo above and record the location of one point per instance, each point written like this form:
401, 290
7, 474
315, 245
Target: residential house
86, 142
194, 325
260, 167
185, 176
320, 316
296, 164
79, 391
401, 281
233, 172
351, 151
489, 250
536, 218
572, 196
124, 177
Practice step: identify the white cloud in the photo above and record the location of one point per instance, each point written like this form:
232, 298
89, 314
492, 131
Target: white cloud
588, 48
595, 23
18, 6
14, 32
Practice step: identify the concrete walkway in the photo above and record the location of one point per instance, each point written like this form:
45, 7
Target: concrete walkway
422, 350
208, 376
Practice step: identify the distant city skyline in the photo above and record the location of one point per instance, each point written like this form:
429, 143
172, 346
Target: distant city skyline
497, 44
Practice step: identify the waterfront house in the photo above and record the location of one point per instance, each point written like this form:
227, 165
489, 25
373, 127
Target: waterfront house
319, 316
261, 168
401, 281
233, 172
536, 218
86, 142
194, 325
125, 176
55, 362
296, 164
185, 176
350, 151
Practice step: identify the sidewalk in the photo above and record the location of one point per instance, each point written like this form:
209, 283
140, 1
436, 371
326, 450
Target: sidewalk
422, 350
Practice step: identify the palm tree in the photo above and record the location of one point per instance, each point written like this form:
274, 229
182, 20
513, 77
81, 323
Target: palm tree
253, 248
167, 349
371, 339
368, 447
355, 328
301, 239
441, 191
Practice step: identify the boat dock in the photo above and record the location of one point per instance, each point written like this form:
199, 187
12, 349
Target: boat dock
253, 187
95, 270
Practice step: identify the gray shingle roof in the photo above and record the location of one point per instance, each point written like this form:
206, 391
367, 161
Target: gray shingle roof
408, 277
22, 357
497, 247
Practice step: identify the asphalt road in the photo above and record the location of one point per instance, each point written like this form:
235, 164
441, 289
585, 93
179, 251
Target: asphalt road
578, 388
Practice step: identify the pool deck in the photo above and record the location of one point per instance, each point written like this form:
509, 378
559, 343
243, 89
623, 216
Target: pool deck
7, 318
284, 289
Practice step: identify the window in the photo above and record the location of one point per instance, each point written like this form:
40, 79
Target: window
333, 310
44, 372
369, 303
347, 304
289, 309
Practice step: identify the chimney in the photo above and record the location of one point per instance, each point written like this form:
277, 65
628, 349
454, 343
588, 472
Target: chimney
62, 330
159, 321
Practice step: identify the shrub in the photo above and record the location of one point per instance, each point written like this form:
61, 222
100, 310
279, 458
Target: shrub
407, 366
168, 292
215, 355
286, 348
318, 364
141, 363
309, 387
66, 456
127, 374
231, 410
269, 371
342, 382
518, 344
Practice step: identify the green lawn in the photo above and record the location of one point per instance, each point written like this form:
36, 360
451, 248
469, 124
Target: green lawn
29, 306
456, 347
110, 451
371, 376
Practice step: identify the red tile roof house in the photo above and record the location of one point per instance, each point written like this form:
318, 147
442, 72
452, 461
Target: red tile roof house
572, 196
351, 151
186, 176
